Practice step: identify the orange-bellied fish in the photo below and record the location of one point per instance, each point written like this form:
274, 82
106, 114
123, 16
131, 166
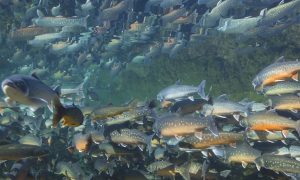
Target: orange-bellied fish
207, 140
270, 121
278, 71
286, 102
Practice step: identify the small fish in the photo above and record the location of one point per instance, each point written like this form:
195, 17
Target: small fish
286, 102
207, 140
174, 125
59, 21
131, 137
111, 111
21, 151
281, 88
188, 106
177, 91
278, 163
270, 121
222, 107
268, 136
82, 142
278, 71
242, 153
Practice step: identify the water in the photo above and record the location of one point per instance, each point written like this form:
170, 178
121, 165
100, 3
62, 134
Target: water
125, 51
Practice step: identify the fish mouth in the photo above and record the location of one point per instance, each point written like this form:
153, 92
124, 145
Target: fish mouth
7, 84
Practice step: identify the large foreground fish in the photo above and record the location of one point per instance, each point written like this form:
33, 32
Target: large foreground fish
31, 91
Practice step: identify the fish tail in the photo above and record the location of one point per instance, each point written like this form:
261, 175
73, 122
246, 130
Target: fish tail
201, 90
80, 91
84, 21
183, 170
212, 125
59, 112
298, 127
149, 144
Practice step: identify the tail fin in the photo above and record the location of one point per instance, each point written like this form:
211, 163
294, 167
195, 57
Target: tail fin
212, 125
58, 113
201, 90
183, 170
79, 90
148, 141
298, 127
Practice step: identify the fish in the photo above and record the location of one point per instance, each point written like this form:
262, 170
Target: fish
285, 102
21, 151
44, 39
238, 26
276, 13
281, 88
222, 107
176, 92
112, 13
82, 142
172, 125
31, 91
172, 16
207, 140
44, 21
28, 33
278, 163
131, 137
111, 111
242, 153
67, 169
188, 106
280, 70
270, 121
31, 140
210, 19
268, 136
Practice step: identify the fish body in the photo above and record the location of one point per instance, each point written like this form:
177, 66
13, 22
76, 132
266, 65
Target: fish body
21, 151
286, 102
43, 39
128, 136
269, 121
280, 88
31, 140
242, 153
188, 106
276, 13
60, 21
278, 163
67, 169
111, 111
172, 16
173, 125
238, 26
268, 136
169, 3
278, 71
29, 33
208, 140
131, 115
210, 19
112, 13
180, 91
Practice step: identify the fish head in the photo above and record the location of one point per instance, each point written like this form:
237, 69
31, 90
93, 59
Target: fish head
244, 122
256, 83
72, 117
207, 110
15, 86
160, 97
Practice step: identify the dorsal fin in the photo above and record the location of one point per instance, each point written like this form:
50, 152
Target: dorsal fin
35, 76
280, 59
